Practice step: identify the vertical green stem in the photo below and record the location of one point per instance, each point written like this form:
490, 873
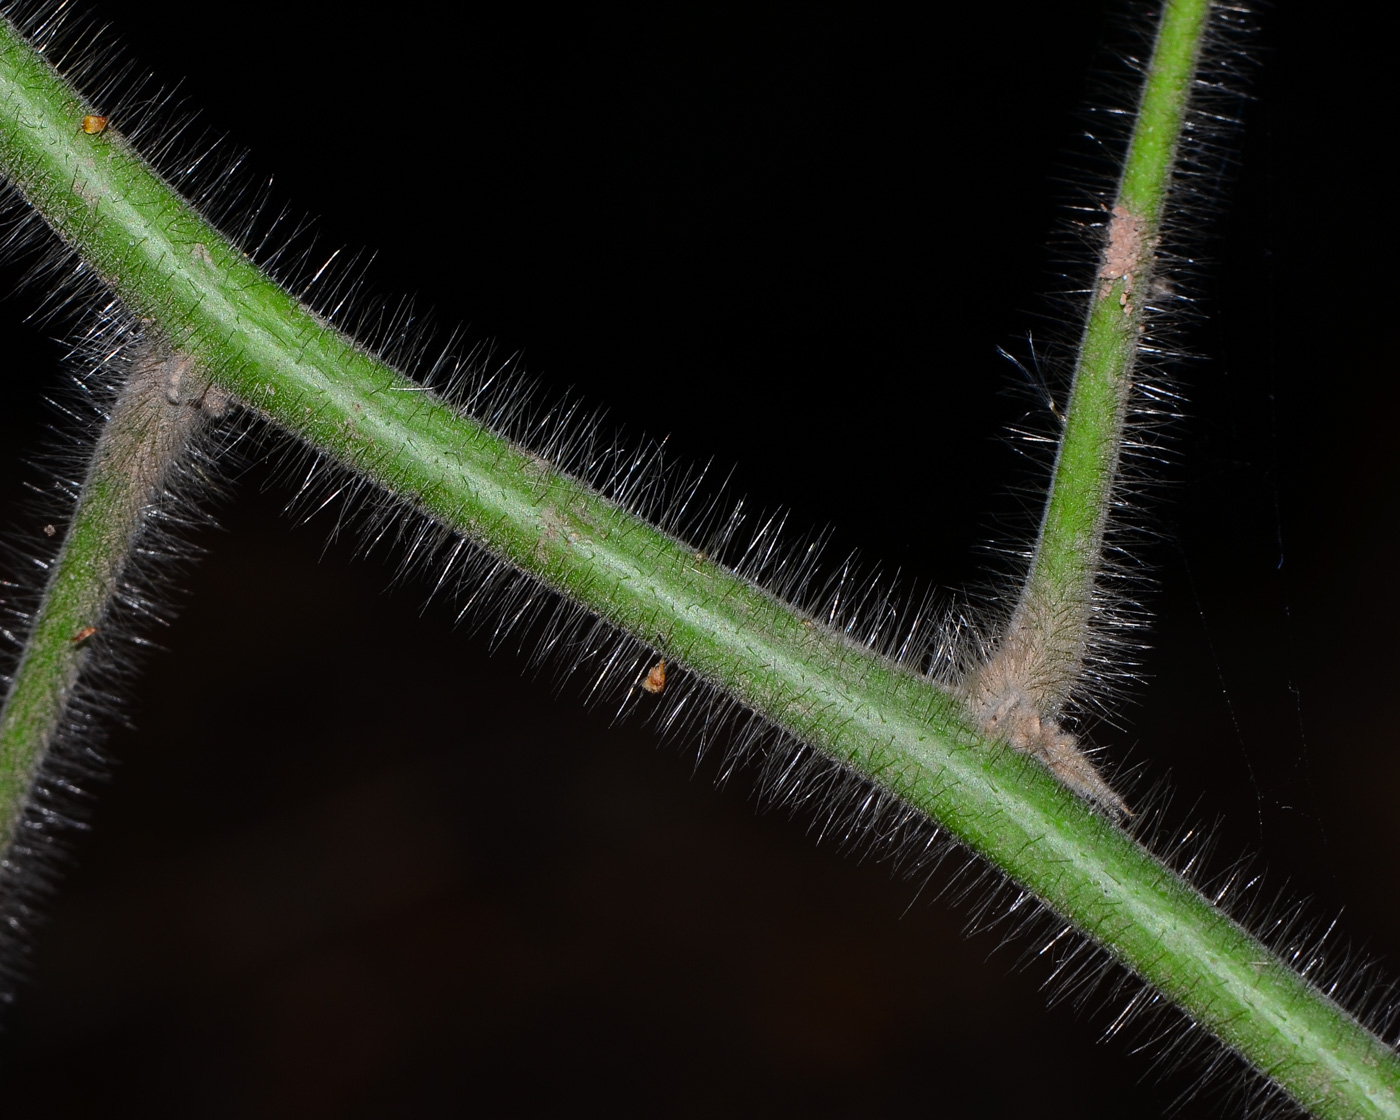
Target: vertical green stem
1019, 692
1055, 605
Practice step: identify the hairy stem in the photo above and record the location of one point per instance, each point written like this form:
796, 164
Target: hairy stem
1052, 617
148, 430
1019, 691
883, 721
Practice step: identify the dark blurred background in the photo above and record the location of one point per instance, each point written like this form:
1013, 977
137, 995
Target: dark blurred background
352, 865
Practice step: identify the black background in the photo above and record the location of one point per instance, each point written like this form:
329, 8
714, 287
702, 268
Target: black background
352, 865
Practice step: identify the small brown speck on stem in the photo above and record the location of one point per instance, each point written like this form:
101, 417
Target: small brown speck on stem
656, 679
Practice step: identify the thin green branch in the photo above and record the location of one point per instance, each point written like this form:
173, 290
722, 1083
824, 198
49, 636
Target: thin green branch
1055, 605
880, 719
148, 430
1019, 692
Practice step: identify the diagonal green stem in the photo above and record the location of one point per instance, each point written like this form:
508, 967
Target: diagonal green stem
881, 720
149, 428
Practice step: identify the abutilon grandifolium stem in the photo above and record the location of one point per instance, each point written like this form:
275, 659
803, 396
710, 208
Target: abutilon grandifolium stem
1019, 692
896, 728
159, 409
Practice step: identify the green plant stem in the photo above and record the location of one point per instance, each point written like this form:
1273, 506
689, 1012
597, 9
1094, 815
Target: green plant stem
883, 721
1018, 692
1048, 634
148, 430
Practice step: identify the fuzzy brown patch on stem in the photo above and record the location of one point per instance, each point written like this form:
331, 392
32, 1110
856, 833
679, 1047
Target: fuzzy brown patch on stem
1123, 256
157, 412
1011, 696
1127, 257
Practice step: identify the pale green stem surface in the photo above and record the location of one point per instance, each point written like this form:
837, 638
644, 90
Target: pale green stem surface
1049, 631
885, 722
